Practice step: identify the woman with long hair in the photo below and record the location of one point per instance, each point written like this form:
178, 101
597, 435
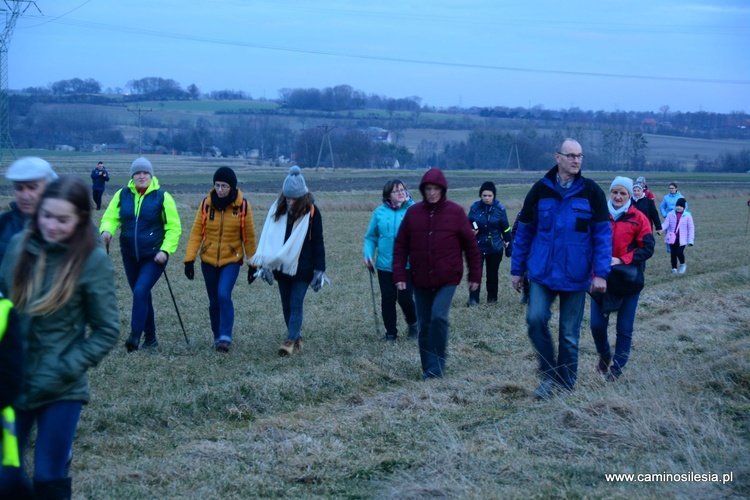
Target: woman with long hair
223, 233
292, 252
380, 235
61, 282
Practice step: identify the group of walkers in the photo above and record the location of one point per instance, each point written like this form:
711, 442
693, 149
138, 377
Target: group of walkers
569, 239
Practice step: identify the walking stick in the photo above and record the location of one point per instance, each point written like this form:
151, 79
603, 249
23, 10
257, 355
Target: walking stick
187, 341
374, 309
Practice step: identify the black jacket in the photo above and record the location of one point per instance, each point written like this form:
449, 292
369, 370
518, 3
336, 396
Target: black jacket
648, 207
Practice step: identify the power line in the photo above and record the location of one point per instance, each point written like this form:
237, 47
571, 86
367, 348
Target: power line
218, 41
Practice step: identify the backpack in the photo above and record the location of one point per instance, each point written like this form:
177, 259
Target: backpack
208, 214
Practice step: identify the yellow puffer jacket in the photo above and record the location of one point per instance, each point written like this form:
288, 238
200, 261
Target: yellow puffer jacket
221, 241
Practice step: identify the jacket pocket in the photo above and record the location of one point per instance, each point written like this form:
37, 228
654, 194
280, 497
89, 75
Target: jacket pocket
583, 214
544, 214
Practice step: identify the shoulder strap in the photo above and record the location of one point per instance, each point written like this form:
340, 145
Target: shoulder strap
309, 230
243, 213
204, 210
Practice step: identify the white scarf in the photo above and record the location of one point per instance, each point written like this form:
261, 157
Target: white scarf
273, 252
617, 212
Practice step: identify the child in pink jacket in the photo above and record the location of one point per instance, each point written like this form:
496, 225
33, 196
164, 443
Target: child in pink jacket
680, 232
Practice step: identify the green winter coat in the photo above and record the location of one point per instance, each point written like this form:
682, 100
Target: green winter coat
58, 350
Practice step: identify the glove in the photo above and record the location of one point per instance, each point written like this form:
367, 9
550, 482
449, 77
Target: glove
264, 274
319, 279
251, 270
190, 270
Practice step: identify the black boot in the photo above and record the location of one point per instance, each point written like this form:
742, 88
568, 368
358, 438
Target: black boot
149, 340
133, 341
57, 489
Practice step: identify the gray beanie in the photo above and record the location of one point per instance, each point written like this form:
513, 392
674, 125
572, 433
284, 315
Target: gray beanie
625, 182
141, 165
30, 168
294, 184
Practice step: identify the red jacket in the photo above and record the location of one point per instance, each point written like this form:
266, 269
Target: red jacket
433, 238
632, 239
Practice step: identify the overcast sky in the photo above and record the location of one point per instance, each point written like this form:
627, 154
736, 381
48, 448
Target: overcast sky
607, 55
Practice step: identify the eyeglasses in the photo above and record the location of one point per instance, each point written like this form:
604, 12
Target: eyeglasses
571, 156
222, 187
398, 191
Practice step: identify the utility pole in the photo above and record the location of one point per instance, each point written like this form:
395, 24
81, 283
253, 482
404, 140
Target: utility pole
14, 9
140, 112
518, 160
326, 136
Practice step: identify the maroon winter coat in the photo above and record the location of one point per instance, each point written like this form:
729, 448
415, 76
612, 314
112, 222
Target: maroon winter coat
433, 237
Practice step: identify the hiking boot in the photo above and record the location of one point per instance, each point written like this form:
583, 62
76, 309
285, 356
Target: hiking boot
472, 303
545, 390
391, 338
150, 341
298, 344
414, 330
222, 346
287, 348
133, 340
614, 374
683, 268
603, 365
674, 270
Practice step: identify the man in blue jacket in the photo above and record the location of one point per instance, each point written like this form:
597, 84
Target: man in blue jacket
564, 238
99, 176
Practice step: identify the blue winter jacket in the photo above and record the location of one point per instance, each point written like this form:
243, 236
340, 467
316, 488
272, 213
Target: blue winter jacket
563, 239
381, 233
492, 221
669, 201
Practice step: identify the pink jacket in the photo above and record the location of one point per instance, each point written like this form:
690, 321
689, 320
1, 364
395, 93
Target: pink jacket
687, 228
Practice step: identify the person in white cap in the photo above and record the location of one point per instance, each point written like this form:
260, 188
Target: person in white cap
29, 175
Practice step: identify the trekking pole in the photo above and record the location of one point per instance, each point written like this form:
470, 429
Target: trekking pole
187, 341
748, 218
374, 309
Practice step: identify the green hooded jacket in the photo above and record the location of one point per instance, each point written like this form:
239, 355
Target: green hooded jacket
58, 349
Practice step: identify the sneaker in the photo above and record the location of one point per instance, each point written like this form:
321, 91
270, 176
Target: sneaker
603, 365
298, 344
414, 331
391, 338
222, 346
133, 340
545, 390
674, 270
472, 303
150, 341
683, 268
287, 348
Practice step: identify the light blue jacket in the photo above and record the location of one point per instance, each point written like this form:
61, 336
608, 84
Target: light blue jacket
381, 233
668, 203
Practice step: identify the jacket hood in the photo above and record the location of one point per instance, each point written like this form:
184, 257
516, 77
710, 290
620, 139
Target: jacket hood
434, 176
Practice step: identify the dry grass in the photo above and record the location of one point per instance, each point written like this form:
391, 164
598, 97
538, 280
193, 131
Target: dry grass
350, 417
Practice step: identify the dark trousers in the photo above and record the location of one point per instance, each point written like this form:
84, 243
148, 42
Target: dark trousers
389, 295
97, 198
142, 276
433, 307
493, 267
676, 253
292, 295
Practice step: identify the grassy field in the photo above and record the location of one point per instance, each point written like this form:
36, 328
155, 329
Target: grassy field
350, 416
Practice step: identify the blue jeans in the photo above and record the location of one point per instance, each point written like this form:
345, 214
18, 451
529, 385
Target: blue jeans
625, 322
292, 299
219, 285
433, 307
56, 427
142, 276
389, 295
563, 368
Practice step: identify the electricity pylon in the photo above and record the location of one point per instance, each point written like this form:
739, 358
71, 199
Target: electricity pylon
13, 9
